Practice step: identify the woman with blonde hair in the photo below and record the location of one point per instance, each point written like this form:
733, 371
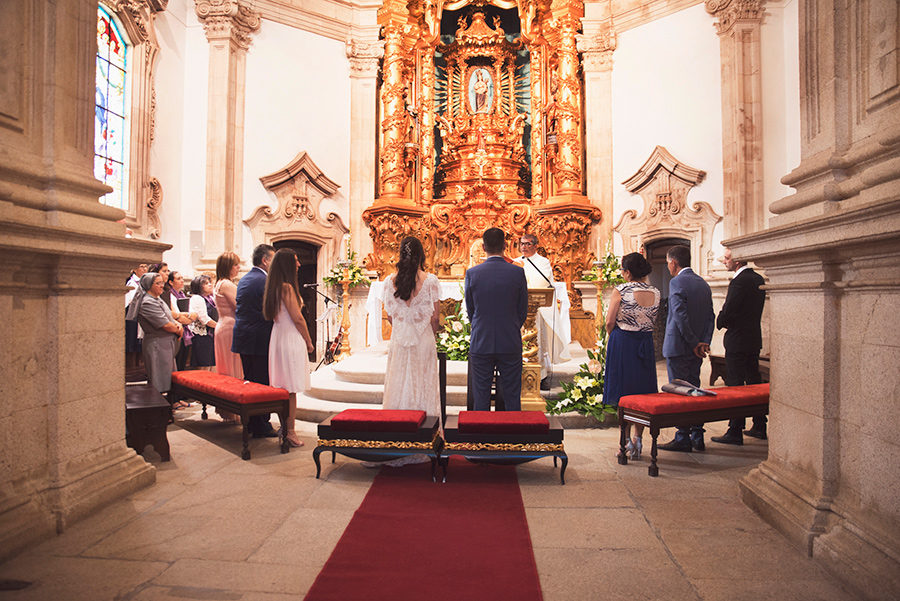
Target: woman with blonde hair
228, 265
290, 343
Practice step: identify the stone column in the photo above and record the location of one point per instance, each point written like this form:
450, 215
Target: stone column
63, 265
364, 51
597, 45
832, 257
738, 26
228, 25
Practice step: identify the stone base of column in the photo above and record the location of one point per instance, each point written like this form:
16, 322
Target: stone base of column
860, 556
41, 507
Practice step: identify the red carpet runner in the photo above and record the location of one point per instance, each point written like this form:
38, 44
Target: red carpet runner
416, 540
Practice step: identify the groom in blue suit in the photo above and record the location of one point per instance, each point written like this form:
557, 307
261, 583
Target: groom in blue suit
252, 331
497, 303
689, 330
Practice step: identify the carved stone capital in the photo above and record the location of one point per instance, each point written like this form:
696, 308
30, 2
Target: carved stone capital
597, 50
731, 11
227, 19
364, 57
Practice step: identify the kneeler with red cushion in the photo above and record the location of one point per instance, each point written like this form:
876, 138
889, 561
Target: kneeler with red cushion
233, 395
379, 435
504, 437
666, 410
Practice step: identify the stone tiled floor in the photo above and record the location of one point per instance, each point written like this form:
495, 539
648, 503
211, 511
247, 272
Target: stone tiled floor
215, 527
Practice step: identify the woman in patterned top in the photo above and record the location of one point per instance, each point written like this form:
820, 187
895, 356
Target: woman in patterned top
630, 361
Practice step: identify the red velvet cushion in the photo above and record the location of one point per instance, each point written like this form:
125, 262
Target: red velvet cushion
728, 396
503, 422
378, 420
226, 387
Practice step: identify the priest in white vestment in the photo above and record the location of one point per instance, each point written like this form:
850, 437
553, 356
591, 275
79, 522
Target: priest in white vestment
538, 271
552, 321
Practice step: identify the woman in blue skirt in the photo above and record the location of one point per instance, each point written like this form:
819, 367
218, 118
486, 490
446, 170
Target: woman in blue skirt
630, 362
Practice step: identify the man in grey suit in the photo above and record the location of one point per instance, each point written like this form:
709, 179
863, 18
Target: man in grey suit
497, 304
689, 330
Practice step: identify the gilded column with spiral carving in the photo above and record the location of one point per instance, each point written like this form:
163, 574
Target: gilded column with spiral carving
567, 172
538, 128
426, 125
394, 176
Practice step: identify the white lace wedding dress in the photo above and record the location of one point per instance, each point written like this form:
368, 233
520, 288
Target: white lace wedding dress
411, 379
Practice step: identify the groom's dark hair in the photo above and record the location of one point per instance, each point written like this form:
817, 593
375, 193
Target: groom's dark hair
493, 240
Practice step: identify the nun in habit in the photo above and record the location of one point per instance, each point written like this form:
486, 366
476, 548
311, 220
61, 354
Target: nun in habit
161, 331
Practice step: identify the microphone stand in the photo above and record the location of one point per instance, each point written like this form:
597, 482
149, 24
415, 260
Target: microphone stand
553, 325
328, 299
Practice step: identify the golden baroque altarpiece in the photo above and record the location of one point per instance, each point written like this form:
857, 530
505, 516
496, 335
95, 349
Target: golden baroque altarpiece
480, 107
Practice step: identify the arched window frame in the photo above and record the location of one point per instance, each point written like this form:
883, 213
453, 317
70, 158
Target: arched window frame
144, 194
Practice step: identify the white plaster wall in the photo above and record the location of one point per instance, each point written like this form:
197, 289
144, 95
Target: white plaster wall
167, 153
297, 99
666, 91
779, 40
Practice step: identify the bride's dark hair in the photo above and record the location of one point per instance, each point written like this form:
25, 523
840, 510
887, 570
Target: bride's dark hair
412, 259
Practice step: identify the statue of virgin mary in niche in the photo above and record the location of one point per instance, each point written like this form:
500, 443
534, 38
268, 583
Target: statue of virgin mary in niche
481, 90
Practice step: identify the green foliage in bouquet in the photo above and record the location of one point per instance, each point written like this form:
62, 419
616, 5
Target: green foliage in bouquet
454, 338
356, 274
584, 393
608, 269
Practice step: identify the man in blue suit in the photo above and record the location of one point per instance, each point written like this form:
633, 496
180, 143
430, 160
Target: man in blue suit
689, 330
497, 303
252, 331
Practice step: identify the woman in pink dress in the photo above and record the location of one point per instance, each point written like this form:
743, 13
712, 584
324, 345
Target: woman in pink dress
227, 267
290, 343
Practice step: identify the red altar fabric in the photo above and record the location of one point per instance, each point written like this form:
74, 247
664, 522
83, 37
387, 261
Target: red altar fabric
378, 420
728, 396
503, 422
227, 387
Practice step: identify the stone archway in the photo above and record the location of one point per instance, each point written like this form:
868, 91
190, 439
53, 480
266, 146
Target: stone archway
663, 182
300, 187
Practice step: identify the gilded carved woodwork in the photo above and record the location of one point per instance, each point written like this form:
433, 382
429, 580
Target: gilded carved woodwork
479, 129
663, 182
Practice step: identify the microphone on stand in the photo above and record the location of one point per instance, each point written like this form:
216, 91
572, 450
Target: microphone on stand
310, 285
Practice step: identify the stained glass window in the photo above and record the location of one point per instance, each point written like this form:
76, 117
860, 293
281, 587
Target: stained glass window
111, 115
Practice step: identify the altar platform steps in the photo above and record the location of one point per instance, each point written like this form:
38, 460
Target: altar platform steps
357, 382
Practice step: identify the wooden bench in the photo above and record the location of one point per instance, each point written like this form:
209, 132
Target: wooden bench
665, 410
379, 435
504, 437
235, 396
147, 415
718, 369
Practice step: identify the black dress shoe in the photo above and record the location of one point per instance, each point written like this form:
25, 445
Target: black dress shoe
756, 433
729, 438
698, 444
682, 446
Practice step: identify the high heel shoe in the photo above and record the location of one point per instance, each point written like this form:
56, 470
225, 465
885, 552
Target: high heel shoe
636, 445
293, 440
629, 450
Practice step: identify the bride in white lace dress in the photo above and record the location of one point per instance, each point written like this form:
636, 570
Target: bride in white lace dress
412, 303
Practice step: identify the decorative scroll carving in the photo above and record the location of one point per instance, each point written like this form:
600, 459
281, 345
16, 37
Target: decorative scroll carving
597, 50
564, 229
154, 226
388, 226
300, 187
730, 11
664, 183
227, 19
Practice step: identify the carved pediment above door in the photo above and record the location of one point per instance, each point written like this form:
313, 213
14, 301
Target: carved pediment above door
300, 187
663, 183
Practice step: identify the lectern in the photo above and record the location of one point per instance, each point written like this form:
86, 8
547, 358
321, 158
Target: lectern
531, 365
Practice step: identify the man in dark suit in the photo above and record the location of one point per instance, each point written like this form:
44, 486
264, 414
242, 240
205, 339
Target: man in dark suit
740, 316
252, 331
689, 330
497, 303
